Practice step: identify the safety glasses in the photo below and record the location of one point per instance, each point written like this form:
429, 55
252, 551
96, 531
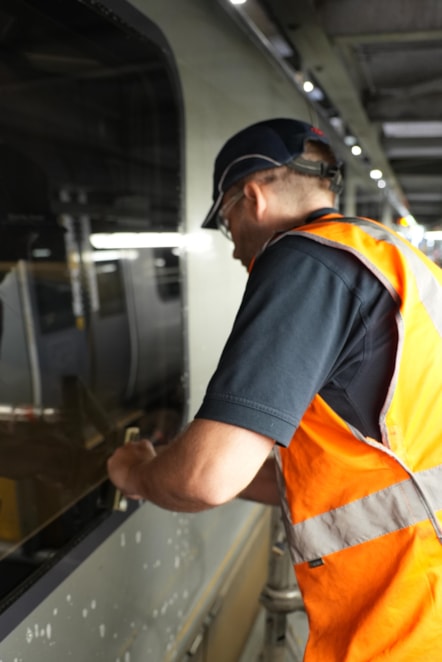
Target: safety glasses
222, 219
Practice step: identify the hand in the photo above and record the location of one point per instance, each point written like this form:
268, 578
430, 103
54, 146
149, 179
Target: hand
124, 466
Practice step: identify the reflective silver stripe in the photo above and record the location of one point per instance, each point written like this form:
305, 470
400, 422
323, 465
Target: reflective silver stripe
414, 477
430, 290
375, 515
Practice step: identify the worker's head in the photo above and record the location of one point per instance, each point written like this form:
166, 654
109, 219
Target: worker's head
273, 171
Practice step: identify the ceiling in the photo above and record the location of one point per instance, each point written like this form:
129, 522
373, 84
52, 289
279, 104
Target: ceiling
376, 67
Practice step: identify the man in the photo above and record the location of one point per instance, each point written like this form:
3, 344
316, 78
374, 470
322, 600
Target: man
335, 363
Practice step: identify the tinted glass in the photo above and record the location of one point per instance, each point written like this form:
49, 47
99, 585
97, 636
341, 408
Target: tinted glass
90, 337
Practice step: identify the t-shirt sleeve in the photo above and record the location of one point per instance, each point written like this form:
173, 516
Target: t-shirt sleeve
297, 313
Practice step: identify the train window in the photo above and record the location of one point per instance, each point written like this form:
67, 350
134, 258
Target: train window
91, 339
47, 263
167, 267
110, 288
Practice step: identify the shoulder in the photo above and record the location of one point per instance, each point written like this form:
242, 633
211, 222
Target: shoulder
306, 263
291, 245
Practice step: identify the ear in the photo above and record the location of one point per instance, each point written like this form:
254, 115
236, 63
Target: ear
254, 193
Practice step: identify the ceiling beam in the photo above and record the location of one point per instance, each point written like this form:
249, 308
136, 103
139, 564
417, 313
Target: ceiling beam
397, 148
381, 17
388, 108
413, 36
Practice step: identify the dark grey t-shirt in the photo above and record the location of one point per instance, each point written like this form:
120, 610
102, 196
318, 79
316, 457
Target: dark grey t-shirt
313, 319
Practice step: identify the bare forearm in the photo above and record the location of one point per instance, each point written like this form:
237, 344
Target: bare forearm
206, 466
264, 487
160, 482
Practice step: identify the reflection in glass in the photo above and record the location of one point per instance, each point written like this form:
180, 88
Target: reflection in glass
90, 339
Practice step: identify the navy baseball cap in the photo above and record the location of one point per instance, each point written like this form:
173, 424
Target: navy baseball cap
271, 143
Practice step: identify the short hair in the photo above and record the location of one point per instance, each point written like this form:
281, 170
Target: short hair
322, 151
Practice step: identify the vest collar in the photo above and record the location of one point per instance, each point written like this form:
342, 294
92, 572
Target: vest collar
319, 213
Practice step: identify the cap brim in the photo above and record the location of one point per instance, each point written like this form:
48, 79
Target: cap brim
210, 220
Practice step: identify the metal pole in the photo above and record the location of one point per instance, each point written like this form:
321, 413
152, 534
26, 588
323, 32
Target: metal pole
280, 596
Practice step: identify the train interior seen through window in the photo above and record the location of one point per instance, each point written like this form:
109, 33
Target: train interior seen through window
91, 337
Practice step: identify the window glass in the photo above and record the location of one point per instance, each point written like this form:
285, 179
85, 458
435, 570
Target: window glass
90, 334
110, 288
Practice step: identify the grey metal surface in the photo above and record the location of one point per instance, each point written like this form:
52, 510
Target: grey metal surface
138, 595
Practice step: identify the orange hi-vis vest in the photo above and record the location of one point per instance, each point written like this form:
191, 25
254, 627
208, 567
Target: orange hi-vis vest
364, 518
